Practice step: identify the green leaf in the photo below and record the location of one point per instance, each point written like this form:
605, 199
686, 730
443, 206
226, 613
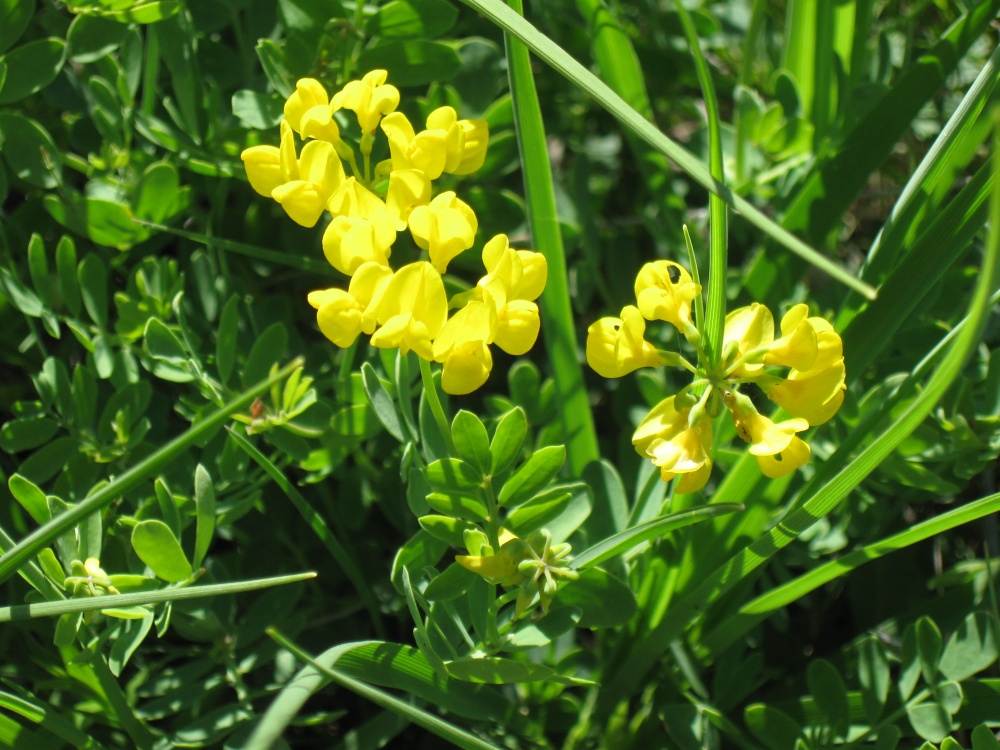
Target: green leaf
507, 440
453, 474
267, 351
162, 343
272, 61
144, 12
31, 498
94, 288
19, 295
38, 267
541, 510
105, 222
356, 420
543, 631
929, 720
155, 198
91, 37
496, 670
29, 150
603, 600
413, 19
84, 397
873, 673
257, 111
471, 441
66, 268
984, 739
24, 434
458, 505
413, 63
382, 403
225, 341
421, 550
534, 475
309, 15
130, 635
156, 545
619, 543
451, 584
971, 649
31, 67
830, 694
774, 729
610, 511
928, 648
15, 15
204, 498
446, 529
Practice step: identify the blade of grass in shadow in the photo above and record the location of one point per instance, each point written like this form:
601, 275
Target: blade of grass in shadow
414, 714
688, 608
31, 572
140, 598
319, 527
765, 605
251, 251
32, 544
562, 62
45, 716
558, 327
715, 312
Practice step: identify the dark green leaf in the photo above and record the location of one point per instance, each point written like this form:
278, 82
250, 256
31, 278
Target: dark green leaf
225, 341
15, 15
533, 476
928, 648
356, 420
453, 474
19, 295
31, 498
446, 529
420, 551
24, 434
413, 19
472, 443
156, 196
495, 670
545, 630
970, 649
603, 600
204, 498
145, 11
930, 721
162, 343
776, 730
539, 511
156, 545
258, 111
29, 150
507, 440
873, 672
984, 739
91, 37
31, 67
382, 403
38, 267
94, 288
830, 694
267, 351
451, 584
458, 505
66, 267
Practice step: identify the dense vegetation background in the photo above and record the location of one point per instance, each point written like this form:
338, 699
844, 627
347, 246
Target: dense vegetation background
145, 290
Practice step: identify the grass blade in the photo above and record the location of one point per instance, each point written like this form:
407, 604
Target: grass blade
32, 544
418, 716
759, 609
140, 598
558, 326
319, 527
564, 63
621, 542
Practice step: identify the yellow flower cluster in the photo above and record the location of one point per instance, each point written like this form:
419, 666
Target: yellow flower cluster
802, 371
405, 308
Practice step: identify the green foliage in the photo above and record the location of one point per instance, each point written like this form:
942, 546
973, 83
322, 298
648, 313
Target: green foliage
501, 569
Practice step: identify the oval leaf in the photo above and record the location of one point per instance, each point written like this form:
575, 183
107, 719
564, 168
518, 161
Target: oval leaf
507, 440
533, 476
156, 545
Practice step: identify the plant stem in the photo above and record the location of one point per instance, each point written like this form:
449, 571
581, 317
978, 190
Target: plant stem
430, 392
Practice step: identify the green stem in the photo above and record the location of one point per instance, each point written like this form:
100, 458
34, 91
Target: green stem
430, 392
699, 303
718, 219
555, 309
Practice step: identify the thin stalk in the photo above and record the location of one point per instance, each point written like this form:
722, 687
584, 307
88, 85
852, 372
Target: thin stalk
699, 303
434, 401
718, 213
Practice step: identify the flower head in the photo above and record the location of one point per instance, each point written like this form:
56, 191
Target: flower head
369, 99
616, 347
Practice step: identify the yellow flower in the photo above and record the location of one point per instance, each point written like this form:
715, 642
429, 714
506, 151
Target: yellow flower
776, 447
263, 165
426, 150
413, 310
350, 241
817, 393
663, 291
675, 446
370, 99
444, 228
465, 140
748, 329
343, 315
463, 348
616, 347
797, 347
309, 113
320, 173
408, 188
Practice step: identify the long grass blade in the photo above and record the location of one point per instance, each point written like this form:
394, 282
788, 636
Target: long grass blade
319, 527
32, 544
558, 326
759, 609
564, 63
414, 714
142, 598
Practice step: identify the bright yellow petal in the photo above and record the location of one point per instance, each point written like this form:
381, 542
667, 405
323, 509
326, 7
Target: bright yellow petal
302, 201
616, 347
309, 93
663, 291
792, 457
263, 165
466, 368
517, 327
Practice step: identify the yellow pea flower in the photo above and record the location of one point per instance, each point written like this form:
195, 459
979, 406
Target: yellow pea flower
350, 241
523, 273
518, 325
408, 188
444, 228
465, 140
463, 348
797, 348
369, 99
748, 332
675, 446
775, 445
270, 166
341, 315
309, 113
320, 174
413, 310
663, 291
426, 150
616, 347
